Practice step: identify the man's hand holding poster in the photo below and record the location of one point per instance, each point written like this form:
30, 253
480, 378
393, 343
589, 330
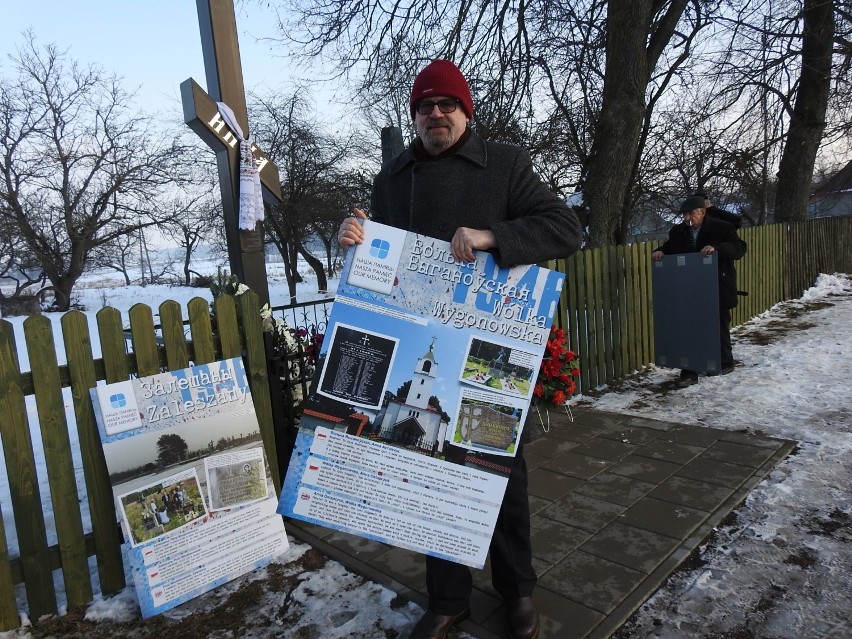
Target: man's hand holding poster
424, 384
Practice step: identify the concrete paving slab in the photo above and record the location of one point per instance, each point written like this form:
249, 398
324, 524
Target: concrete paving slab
630, 546
579, 466
618, 489
691, 492
594, 582
737, 453
583, 512
550, 485
645, 468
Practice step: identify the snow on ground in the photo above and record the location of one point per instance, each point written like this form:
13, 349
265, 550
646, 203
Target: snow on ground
778, 569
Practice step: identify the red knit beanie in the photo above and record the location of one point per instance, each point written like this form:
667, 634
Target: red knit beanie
441, 77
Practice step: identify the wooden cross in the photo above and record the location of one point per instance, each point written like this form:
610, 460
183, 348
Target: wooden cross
220, 46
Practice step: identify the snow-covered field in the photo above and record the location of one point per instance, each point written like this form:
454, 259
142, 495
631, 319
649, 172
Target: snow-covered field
779, 569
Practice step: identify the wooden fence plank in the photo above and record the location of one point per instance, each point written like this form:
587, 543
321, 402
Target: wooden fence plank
174, 338
256, 368
227, 328
623, 317
142, 337
81, 370
582, 323
113, 345
637, 306
591, 318
56, 444
201, 331
601, 324
8, 606
630, 310
572, 309
647, 310
23, 481
560, 319
606, 325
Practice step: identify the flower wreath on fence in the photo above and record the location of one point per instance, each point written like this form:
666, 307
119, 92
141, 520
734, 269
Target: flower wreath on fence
555, 383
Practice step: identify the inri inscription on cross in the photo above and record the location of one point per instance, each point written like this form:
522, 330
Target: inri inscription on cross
220, 46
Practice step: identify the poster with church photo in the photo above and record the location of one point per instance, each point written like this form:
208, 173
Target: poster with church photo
423, 386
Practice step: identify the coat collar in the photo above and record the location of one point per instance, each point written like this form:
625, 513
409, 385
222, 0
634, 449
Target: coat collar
474, 150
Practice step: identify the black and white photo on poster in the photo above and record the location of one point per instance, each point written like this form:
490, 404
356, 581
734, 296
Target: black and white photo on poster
357, 365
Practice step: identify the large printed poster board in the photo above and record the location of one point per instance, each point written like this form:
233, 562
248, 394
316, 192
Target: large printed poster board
423, 387
191, 482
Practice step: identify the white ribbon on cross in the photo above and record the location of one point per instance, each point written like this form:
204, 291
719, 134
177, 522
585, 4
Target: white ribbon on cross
251, 198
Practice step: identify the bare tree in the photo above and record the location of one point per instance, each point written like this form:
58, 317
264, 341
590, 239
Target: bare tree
596, 88
77, 168
589, 63
188, 225
313, 168
120, 255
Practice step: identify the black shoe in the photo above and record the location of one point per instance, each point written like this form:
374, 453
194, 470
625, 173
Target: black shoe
726, 368
522, 621
432, 626
687, 378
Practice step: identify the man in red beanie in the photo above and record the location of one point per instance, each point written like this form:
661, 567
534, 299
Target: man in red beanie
478, 195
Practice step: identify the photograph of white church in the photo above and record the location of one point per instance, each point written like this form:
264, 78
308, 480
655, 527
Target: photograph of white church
410, 420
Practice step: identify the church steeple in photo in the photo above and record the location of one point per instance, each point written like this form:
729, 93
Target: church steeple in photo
423, 379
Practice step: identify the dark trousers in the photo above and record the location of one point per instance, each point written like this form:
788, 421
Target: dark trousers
725, 337
449, 584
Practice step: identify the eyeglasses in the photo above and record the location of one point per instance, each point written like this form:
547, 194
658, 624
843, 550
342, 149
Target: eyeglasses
425, 107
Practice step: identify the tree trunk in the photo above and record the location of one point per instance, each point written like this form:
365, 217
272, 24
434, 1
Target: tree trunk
638, 31
316, 264
619, 124
290, 269
807, 122
187, 260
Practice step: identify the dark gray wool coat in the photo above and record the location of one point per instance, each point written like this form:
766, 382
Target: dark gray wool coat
484, 185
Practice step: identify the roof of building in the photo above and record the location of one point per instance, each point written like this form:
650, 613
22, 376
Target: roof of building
837, 183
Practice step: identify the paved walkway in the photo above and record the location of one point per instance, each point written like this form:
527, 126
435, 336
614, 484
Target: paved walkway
618, 503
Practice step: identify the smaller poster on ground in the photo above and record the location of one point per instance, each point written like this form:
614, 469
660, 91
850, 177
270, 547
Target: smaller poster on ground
192, 486
423, 387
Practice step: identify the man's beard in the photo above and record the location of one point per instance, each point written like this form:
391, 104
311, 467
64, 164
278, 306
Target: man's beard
435, 140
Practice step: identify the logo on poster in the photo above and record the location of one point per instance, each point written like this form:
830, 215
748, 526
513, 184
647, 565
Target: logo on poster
379, 248
371, 269
118, 400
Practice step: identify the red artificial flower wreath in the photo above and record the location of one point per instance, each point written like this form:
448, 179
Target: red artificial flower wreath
555, 383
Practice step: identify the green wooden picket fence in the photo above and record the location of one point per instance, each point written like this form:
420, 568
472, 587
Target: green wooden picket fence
607, 300
606, 305
151, 353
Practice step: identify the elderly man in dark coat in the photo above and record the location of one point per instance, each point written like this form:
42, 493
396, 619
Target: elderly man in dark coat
478, 195
700, 233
